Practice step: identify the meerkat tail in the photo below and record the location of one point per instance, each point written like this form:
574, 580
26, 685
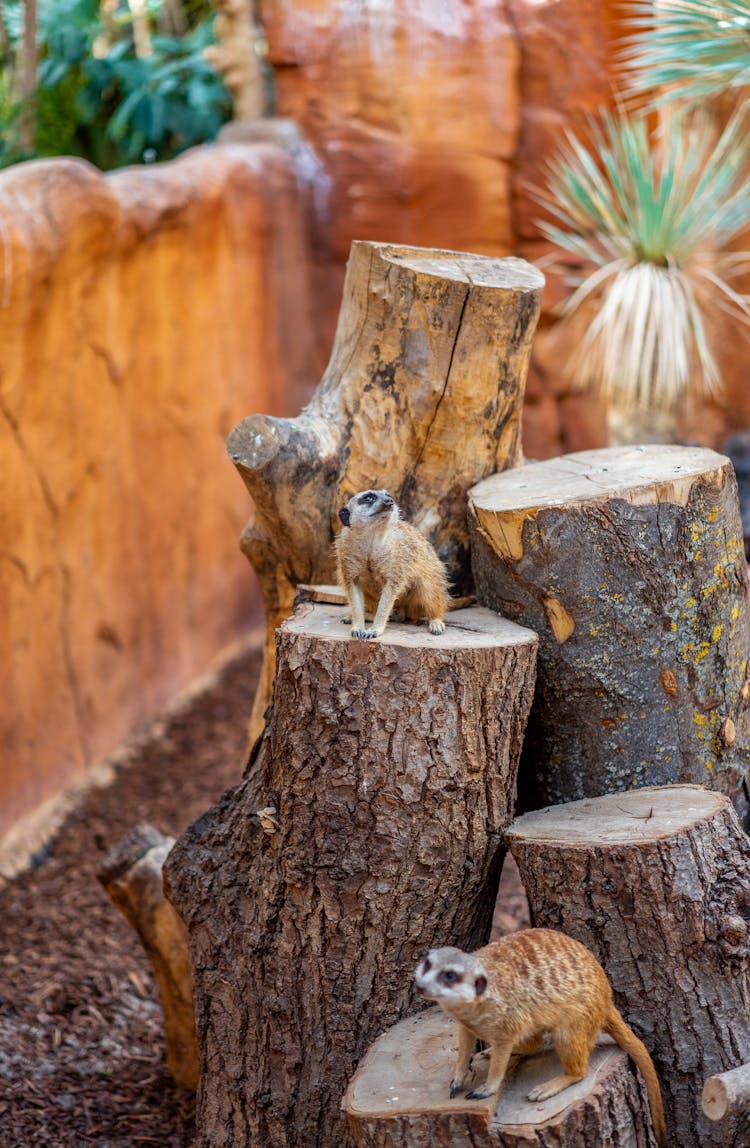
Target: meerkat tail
620, 1032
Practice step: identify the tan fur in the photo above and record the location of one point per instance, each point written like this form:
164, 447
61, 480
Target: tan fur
513, 991
385, 563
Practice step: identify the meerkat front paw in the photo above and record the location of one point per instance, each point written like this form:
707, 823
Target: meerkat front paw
365, 633
436, 626
456, 1087
479, 1093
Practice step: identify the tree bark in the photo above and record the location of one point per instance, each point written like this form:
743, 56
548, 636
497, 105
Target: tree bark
384, 778
657, 884
399, 1098
422, 395
132, 875
629, 564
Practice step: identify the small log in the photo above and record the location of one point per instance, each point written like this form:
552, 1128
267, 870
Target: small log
656, 883
629, 563
727, 1094
132, 875
368, 827
398, 1098
422, 395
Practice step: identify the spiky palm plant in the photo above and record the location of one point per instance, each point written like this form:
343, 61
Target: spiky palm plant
652, 219
690, 49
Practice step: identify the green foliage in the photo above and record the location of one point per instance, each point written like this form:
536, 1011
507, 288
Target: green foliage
97, 99
653, 217
692, 49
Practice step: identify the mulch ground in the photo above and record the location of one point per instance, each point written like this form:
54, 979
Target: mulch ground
81, 1049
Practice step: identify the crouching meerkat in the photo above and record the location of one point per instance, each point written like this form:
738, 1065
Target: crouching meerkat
384, 562
513, 991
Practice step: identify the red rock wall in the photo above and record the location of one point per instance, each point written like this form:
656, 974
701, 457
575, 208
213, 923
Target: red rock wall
141, 316
429, 120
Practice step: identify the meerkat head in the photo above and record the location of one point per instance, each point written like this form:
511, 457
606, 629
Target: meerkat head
450, 976
367, 507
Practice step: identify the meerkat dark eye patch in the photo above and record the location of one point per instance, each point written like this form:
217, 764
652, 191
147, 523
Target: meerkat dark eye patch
368, 498
449, 976
344, 515
480, 985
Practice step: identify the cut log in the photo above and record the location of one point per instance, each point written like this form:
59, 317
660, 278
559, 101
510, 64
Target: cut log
629, 563
398, 1098
422, 395
657, 884
132, 875
727, 1094
368, 828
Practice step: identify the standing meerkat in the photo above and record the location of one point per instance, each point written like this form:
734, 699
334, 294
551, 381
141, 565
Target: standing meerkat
384, 562
513, 991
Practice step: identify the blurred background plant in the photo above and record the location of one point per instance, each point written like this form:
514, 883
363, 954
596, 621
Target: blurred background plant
113, 82
648, 210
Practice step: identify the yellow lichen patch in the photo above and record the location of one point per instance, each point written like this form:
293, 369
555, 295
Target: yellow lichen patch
505, 531
717, 632
735, 613
560, 620
702, 651
700, 719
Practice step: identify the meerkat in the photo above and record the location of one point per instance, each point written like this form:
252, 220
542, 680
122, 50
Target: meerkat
385, 562
511, 992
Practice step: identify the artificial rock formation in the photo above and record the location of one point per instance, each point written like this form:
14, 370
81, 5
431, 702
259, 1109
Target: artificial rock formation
398, 1098
629, 564
656, 883
368, 828
141, 314
422, 395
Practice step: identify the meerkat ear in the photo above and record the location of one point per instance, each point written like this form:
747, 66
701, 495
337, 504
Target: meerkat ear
344, 515
480, 984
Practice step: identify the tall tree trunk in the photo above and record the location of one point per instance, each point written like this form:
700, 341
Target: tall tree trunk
629, 564
422, 395
368, 828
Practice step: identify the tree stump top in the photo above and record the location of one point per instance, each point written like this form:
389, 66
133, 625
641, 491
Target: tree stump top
471, 628
474, 270
409, 1068
631, 818
639, 474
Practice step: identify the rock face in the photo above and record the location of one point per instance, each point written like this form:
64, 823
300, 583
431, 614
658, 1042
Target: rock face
426, 122
142, 315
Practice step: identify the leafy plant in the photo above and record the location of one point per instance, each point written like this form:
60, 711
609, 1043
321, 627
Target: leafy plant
692, 49
653, 217
99, 99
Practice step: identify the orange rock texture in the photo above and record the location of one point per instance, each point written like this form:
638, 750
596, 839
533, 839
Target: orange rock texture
428, 121
143, 314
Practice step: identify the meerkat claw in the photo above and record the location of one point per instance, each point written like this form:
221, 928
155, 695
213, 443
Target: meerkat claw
436, 626
478, 1094
364, 633
456, 1087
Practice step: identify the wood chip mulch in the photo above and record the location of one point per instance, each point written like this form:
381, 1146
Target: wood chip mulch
81, 1049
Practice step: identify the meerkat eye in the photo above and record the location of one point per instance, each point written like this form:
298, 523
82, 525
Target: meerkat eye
368, 498
450, 976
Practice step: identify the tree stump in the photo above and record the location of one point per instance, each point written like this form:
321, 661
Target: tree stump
132, 875
398, 1098
629, 564
368, 827
422, 395
657, 884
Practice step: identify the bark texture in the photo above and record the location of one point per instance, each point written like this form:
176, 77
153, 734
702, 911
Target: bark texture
132, 875
399, 1098
383, 782
422, 395
657, 884
629, 564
